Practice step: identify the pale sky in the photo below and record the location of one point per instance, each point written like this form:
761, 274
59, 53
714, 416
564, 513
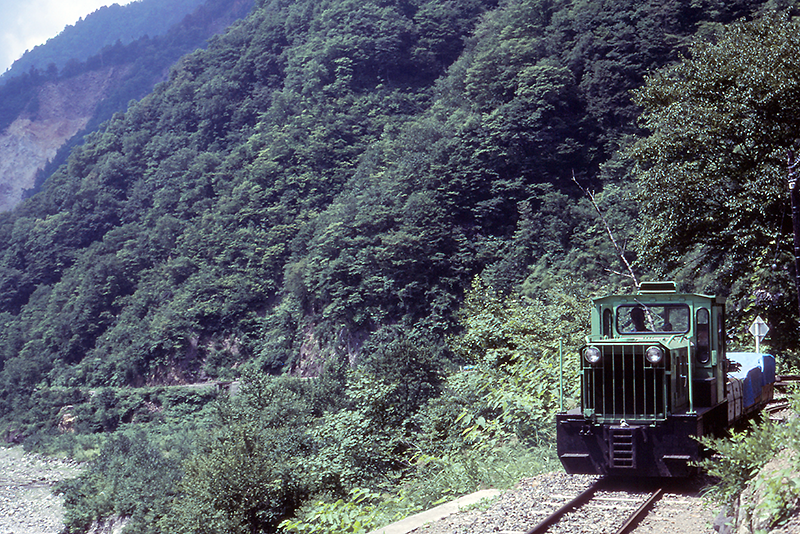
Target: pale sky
27, 23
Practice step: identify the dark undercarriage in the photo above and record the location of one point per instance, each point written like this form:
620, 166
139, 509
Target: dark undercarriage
664, 448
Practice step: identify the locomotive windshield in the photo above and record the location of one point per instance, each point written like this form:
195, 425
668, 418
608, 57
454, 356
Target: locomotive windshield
667, 318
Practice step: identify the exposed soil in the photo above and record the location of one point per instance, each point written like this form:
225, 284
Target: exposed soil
65, 108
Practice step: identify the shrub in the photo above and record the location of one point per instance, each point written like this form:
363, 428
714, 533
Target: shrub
739, 460
129, 478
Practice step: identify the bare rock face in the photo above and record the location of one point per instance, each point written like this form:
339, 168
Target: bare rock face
65, 108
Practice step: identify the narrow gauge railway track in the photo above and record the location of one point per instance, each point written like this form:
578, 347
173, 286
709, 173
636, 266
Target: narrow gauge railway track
783, 381
780, 407
604, 508
777, 410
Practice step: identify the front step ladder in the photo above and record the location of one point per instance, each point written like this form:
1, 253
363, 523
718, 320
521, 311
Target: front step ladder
622, 450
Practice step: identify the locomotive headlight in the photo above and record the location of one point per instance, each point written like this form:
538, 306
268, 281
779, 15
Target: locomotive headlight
591, 354
654, 354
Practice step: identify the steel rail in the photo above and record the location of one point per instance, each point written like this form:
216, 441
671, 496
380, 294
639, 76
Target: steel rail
578, 501
782, 381
586, 496
640, 512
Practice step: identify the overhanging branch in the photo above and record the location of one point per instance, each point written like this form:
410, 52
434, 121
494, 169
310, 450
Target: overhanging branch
617, 248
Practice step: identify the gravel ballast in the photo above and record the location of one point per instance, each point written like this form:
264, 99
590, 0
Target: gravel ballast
517, 510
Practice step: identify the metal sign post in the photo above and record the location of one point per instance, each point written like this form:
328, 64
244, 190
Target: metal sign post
759, 330
561, 375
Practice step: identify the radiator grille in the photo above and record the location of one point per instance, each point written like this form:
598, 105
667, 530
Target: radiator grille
624, 385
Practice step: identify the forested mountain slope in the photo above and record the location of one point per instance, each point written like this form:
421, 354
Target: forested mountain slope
45, 109
322, 171
370, 193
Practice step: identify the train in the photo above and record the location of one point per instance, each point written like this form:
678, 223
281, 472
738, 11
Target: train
654, 376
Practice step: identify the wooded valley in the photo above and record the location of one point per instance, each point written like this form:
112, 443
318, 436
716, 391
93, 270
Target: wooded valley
343, 205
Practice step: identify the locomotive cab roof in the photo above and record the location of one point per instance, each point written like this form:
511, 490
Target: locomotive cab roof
664, 289
658, 287
657, 309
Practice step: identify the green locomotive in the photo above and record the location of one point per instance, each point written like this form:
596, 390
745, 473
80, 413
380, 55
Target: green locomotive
655, 374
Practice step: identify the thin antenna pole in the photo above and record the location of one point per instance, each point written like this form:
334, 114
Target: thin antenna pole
794, 193
561, 374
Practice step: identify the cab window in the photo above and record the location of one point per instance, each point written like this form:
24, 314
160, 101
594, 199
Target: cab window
703, 335
607, 321
640, 318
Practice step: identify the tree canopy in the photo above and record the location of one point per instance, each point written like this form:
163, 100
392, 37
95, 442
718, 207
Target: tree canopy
713, 170
325, 170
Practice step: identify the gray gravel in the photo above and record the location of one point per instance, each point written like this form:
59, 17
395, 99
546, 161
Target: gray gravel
27, 504
517, 510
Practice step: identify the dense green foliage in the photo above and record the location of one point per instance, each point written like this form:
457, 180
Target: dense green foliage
713, 173
739, 462
295, 186
369, 195
130, 478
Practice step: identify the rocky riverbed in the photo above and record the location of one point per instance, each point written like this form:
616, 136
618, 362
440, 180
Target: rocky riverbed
27, 504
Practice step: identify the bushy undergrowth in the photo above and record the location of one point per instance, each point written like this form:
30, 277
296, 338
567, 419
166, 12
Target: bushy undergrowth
740, 457
76, 422
491, 425
436, 481
131, 477
358, 447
